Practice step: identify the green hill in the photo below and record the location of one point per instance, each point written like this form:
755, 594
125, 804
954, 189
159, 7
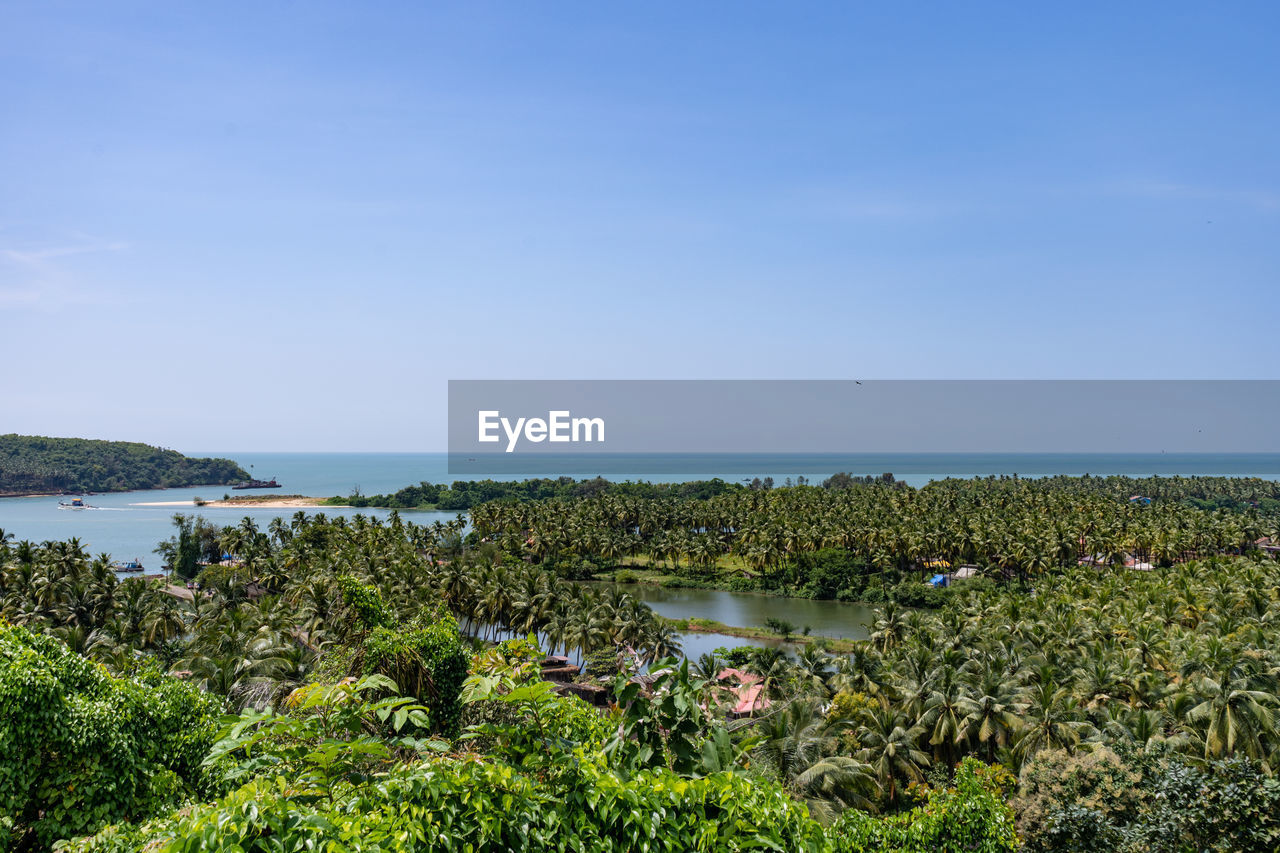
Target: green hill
32, 464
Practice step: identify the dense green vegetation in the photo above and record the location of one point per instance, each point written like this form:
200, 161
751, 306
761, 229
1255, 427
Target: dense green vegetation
80, 749
557, 788
856, 541
1051, 706
465, 494
39, 465
1204, 492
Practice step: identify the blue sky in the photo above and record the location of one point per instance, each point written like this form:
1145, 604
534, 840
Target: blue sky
280, 226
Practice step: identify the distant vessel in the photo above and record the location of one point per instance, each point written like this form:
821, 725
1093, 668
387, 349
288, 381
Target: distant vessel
134, 565
258, 484
76, 503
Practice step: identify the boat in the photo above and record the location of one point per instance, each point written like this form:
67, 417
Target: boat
76, 503
258, 484
134, 565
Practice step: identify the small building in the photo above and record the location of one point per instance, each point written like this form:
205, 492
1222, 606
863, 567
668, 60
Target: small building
593, 694
558, 669
746, 690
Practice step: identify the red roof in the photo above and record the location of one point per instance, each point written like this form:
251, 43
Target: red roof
738, 675
746, 693
749, 699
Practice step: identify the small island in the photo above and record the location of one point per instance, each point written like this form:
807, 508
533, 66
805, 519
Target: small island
40, 465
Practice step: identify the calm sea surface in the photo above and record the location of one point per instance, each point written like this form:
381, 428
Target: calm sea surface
124, 528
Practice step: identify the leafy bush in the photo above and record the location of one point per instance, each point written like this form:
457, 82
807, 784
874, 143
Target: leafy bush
514, 715
1147, 802
1099, 786
848, 705
912, 594
742, 583
365, 604
481, 806
975, 586
853, 592
874, 595
426, 661
80, 749
666, 725
972, 817
781, 627
573, 569
334, 735
823, 573
1228, 806
550, 788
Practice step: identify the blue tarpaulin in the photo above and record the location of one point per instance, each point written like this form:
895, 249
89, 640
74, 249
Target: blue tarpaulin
938, 580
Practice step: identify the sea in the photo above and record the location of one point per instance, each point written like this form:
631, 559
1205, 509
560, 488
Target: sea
123, 526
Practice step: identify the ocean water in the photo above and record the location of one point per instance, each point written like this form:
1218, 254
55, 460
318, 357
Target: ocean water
917, 469
124, 528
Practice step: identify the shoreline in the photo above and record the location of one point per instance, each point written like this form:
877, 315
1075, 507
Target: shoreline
99, 493
263, 502
699, 625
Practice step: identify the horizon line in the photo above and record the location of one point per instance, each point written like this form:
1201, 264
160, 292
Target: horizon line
605, 454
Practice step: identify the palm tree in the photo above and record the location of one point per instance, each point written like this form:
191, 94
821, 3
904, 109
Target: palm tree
944, 715
890, 627
889, 748
660, 641
800, 749
992, 714
164, 622
587, 630
1231, 719
1053, 721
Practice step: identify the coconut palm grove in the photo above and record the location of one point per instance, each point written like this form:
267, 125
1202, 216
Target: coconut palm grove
1099, 673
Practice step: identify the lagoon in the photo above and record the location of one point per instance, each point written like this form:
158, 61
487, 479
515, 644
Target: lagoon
837, 619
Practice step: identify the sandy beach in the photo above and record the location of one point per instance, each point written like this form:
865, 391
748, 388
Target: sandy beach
280, 502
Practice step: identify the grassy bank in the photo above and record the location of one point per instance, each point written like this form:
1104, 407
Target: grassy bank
697, 625
871, 590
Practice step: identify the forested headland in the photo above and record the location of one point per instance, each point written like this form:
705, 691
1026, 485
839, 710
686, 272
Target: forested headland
32, 465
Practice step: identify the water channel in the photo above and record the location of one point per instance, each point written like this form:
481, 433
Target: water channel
750, 610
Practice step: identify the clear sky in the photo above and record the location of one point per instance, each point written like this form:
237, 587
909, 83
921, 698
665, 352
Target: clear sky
275, 226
